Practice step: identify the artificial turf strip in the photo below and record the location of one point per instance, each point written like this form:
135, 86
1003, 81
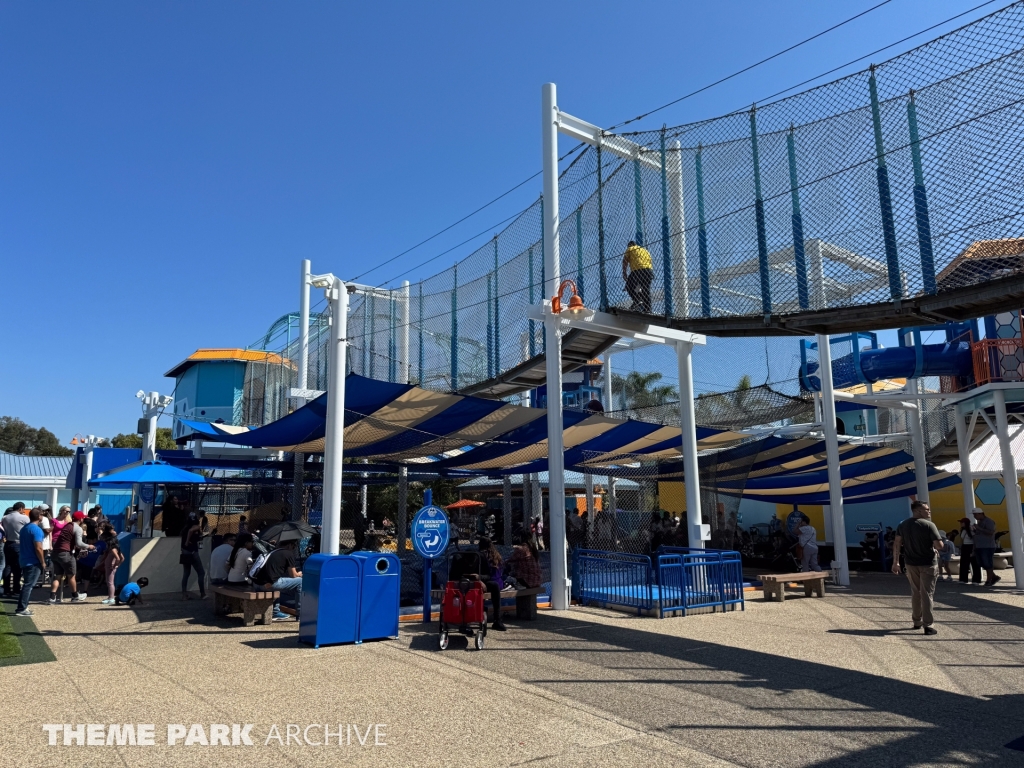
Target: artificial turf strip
22, 630
9, 645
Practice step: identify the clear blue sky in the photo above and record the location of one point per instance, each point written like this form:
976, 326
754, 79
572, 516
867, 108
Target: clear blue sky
165, 166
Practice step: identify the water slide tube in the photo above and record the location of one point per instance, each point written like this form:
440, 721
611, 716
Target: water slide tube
947, 359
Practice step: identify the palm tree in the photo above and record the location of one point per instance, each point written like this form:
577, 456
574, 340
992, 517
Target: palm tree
737, 407
641, 390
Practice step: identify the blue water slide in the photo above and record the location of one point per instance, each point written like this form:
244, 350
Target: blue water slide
947, 359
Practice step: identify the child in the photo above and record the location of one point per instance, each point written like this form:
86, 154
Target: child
112, 558
130, 593
947, 552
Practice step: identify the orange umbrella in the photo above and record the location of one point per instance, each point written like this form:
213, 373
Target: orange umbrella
465, 503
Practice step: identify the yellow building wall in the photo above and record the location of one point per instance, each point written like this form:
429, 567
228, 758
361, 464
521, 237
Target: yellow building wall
948, 507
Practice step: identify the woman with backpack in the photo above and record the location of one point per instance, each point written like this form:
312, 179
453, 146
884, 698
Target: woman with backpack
112, 559
240, 560
191, 542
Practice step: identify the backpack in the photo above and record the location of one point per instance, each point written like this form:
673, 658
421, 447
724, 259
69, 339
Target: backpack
257, 564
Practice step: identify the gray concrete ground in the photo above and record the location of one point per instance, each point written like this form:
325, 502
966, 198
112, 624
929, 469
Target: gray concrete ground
836, 682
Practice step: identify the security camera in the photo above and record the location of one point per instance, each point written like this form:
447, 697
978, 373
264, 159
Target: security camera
140, 394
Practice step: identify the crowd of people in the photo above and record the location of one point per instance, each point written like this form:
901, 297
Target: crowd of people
59, 552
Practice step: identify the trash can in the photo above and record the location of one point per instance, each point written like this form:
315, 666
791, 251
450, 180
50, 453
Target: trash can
330, 600
381, 577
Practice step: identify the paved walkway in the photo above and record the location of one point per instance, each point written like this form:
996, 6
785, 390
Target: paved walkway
836, 682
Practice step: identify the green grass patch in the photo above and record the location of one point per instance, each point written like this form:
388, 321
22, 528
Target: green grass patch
20, 640
9, 645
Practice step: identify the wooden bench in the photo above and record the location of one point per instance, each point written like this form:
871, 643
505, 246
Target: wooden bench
526, 600
253, 604
774, 584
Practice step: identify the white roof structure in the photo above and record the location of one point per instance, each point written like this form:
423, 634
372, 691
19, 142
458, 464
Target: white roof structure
33, 471
985, 459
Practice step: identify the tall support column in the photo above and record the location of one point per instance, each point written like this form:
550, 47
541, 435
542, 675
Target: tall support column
688, 424
372, 341
702, 239
602, 267
799, 257
609, 406
301, 382
884, 195
532, 342
835, 480
553, 362
506, 508
666, 233
917, 440
924, 227
402, 513
963, 449
51, 500
762, 237
677, 225
536, 496
405, 375
419, 331
490, 329
455, 331
497, 316
1010, 486
334, 448
393, 370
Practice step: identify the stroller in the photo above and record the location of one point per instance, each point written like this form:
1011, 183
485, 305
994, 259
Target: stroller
462, 607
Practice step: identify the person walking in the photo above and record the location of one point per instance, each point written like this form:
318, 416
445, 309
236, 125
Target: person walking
919, 541
638, 274
985, 544
31, 559
968, 562
112, 559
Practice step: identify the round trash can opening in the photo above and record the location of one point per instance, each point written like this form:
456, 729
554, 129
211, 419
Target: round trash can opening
382, 565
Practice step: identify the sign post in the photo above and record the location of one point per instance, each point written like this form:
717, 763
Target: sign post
430, 533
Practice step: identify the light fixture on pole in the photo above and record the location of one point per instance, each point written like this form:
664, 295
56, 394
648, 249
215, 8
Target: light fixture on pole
575, 307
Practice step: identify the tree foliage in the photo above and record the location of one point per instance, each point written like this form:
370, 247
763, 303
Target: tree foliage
18, 437
641, 390
164, 440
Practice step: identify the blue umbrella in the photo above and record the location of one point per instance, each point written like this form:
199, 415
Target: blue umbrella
147, 472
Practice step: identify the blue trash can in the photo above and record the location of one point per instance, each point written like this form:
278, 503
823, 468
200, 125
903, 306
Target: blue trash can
330, 600
381, 587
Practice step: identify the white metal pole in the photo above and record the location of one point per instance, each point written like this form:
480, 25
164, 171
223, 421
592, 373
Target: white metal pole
1012, 490
152, 413
609, 406
334, 447
405, 375
963, 449
835, 480
688, 427
677, 225
402, 513
917, 440
302, 381
556, 461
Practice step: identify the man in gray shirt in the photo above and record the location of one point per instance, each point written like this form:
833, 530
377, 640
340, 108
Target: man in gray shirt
13, 523
985, 544
919, 540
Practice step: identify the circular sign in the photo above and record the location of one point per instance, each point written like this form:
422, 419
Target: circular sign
430, 532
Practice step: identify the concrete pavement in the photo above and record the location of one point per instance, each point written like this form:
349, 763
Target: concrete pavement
836, 682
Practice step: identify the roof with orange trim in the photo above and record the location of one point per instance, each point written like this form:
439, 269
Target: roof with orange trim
228, 355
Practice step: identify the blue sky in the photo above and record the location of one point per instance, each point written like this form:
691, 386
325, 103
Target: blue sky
165, 166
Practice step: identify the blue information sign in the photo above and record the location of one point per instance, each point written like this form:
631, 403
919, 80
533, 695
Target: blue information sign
430, 532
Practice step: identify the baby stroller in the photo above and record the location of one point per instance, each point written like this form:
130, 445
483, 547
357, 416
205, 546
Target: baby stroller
462, 607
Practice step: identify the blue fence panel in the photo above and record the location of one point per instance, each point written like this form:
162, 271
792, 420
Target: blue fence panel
732, 579
614, 578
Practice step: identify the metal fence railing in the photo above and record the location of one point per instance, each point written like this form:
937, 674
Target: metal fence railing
683, 579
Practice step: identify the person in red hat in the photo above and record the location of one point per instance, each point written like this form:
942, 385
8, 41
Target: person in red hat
65, 564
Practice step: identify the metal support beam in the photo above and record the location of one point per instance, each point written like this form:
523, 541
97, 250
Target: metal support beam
917, 440
963, 449
334, 434
835, 481
402, 513
688, 424
553, 348
1010, 487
